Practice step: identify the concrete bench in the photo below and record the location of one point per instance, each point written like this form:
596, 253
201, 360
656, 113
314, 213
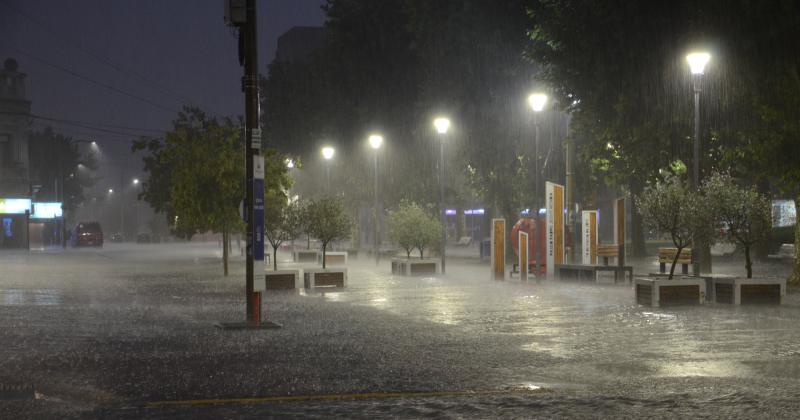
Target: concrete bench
414, 267
667, 255
584, 272
658, 291
333, 258
305, 255
743, 291
318, 277
283, 280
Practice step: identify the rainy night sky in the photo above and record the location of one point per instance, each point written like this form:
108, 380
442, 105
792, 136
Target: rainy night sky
166, 52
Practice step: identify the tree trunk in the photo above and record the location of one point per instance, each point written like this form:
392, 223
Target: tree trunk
637, 223
324, 246
461, 223
275, 258
225, 250
408, 253
420, 253
795, 277
308, 241
747, 263
675, 262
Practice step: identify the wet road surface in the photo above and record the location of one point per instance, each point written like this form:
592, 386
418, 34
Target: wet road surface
128, 331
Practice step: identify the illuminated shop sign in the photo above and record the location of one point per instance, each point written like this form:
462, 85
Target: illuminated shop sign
14, 205
46, 211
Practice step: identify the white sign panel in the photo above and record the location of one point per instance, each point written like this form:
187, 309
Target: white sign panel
46, 211
589, 230
554, 225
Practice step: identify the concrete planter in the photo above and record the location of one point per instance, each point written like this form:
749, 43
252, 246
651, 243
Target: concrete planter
333, 258
656, 292
415, 267
305, 255
742, 291
283, 280
324, 277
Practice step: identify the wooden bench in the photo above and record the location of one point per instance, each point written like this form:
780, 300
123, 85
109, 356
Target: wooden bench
657, 292
608, 251
667, 255
742, 291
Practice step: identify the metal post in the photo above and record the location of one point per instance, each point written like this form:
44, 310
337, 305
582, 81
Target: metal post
377, 215
249, 37
441, 199
328, 177
122, 204
697, 81
535, 209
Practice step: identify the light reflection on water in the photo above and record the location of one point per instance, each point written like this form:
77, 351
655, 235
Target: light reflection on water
35, 297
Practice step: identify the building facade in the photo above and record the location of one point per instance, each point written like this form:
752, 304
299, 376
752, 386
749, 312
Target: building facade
15, 185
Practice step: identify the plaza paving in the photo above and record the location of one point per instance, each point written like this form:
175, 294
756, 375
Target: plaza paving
128, 331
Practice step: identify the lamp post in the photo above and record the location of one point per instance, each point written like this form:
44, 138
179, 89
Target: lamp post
537, 102
442, 125
375, 141
697, 64
327, 153
136, 186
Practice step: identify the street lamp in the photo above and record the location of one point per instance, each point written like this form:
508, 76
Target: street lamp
697, 64
442, 125
537, 102
375, 141
327, 153
289, 163
111, 191
136, 184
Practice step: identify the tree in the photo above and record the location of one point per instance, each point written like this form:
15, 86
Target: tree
281, 223
328, 222
195, 174
411, 227
746, 214
672, 208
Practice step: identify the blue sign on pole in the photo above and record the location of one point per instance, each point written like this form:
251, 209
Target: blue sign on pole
258, 208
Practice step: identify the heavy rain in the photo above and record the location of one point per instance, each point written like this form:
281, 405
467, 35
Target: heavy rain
402, 209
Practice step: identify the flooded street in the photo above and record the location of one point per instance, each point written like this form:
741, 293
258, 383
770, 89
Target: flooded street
128, 331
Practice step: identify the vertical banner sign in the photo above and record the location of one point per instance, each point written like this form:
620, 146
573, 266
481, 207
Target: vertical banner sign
619, 229
499, 249
524, 256
258, 219
590, 235
554, 225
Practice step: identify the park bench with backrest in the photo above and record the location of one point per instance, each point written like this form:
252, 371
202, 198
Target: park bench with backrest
667, 255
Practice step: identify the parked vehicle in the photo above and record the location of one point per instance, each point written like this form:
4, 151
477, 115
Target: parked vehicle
143, 238
117, 237
87, 234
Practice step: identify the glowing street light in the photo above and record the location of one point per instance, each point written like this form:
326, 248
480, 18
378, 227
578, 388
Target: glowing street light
135, 181
289, 163
111, 191
375, 141
442, 125
537, 101
697, 62
328, 152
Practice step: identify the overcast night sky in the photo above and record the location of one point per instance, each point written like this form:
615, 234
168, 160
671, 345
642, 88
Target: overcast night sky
182, 48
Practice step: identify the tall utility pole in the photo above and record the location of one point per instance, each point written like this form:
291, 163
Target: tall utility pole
242, 14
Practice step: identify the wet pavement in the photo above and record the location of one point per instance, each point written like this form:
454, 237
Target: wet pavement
128, 331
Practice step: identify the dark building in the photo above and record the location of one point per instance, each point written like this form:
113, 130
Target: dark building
15, 192
298, 43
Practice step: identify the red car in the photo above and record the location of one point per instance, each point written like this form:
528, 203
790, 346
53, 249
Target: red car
87, 234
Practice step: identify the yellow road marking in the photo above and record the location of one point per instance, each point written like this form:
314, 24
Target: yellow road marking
340, 397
